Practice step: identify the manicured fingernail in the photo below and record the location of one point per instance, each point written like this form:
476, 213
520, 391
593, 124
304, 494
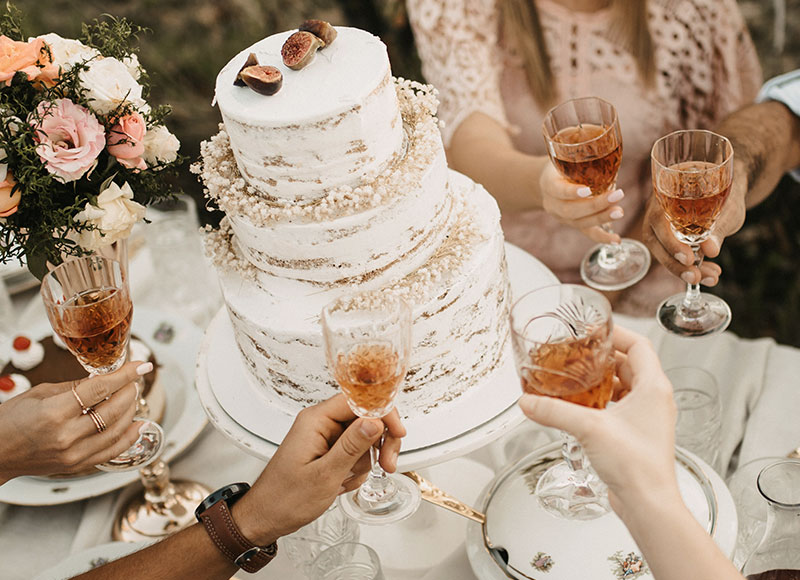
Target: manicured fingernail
341, 491
394, 457
681, 257
526, 403
369, 429
615, 196
584, 192
688, 277
616, 214
708, 281
144, 368
349, 475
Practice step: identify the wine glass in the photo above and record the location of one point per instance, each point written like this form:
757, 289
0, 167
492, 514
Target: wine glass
368, 344
584, 143
89, 306
561, 337
692, 174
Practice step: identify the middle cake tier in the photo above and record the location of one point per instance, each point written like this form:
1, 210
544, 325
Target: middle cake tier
460, 299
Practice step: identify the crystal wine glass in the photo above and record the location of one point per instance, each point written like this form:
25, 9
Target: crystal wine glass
89, 306
692, 174
561, 336
584, 142
368, 344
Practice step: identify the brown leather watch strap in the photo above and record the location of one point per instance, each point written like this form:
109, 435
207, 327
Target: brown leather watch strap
226, 536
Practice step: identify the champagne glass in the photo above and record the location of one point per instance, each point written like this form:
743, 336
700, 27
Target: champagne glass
89, 306
692, 174
368, 344
561, 336
584, 142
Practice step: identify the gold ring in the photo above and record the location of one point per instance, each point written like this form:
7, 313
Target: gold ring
84, 408
99, 424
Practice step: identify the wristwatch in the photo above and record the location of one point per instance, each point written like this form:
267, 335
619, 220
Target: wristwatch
214, 513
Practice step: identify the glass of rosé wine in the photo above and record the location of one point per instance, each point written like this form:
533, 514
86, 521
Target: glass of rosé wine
367, 345
692, 175
584, 142
89, 306
561, 337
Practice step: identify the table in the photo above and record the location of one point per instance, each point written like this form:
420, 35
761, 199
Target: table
760, 398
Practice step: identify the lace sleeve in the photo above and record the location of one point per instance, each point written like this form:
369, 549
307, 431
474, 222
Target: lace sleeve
457, 43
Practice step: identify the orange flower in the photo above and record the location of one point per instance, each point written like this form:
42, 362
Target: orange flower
9, 202
32, 58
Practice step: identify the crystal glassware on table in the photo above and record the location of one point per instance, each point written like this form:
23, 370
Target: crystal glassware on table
692, 175
561, 337
347, 561
88, 303
367, 346
584, 142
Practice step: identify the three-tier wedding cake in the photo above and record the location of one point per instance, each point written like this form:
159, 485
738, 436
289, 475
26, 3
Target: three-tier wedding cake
337, 184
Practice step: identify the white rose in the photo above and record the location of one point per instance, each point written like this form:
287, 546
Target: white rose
67, 52
108, 84
160, 146
131, 62
113, 217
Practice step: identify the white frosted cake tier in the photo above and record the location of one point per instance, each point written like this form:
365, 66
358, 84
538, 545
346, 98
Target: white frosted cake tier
460, 298
330, 124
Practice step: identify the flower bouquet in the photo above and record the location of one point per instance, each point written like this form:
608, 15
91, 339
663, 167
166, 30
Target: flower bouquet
81, 151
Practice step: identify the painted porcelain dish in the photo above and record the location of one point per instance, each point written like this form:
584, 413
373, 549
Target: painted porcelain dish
538, 546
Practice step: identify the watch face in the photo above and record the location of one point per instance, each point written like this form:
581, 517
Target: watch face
229, 493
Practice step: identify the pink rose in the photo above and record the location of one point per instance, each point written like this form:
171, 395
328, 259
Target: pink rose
32, 58
125, 141
9, 202
70, 139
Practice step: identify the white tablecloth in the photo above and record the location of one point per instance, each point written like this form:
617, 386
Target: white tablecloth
757, 379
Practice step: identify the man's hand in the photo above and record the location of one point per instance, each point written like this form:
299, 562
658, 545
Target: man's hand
677, 257
325, 453
42, 431
574, 205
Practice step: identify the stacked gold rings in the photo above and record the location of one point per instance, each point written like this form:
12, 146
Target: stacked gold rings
98, 421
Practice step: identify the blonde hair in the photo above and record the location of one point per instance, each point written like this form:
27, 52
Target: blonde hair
521, 30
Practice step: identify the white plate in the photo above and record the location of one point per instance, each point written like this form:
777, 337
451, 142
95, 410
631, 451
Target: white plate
183, 418
516, 522
470, 422
90, 559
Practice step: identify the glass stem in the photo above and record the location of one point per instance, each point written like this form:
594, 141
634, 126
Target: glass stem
693, 301
572, 452
378, 485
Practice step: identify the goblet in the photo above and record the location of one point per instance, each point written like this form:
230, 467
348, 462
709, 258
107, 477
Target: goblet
367, 345
89, 306
561, 337
584, 142
692, 174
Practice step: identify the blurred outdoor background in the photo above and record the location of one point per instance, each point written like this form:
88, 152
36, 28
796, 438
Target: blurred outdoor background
191, 40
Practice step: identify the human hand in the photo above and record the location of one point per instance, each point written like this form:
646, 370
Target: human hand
677, 257
631, 444
574, 205
43, 432
325, 453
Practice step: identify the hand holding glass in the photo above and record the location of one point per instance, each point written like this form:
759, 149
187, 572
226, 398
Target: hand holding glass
368, 346
562, 347
89, 306
584, 143
692, 175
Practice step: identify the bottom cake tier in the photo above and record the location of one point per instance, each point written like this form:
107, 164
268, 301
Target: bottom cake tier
460, 300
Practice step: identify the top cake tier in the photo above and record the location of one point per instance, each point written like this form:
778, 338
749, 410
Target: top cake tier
332, 123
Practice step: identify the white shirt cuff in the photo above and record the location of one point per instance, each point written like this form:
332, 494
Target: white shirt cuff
784, 89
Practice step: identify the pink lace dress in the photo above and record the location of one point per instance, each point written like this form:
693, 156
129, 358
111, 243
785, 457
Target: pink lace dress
706, 67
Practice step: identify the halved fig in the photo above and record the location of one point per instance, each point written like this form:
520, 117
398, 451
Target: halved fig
251, 61
321, 29
265, 80
299, 49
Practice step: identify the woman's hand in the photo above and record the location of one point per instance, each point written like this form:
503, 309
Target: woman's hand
43, 431
574, 205
631, 444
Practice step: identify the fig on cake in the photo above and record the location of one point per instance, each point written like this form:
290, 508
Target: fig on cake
299, 49
252, 60
321, 29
